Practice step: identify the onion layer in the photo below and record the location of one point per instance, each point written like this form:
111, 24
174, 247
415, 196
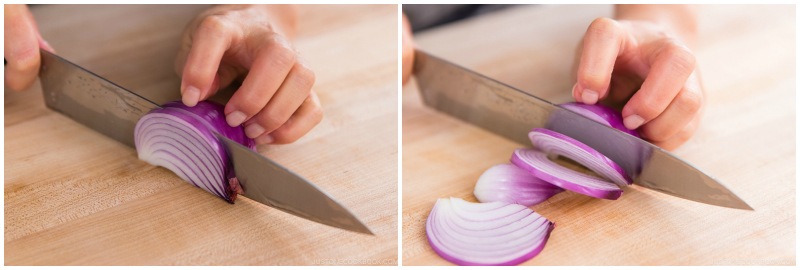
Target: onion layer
181, 139
539, 165
552, 142
494, 233
510, 184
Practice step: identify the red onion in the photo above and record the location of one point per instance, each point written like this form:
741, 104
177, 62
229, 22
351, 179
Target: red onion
554, 143
508, 183
494, 233
540, 166
181, 139
600, 113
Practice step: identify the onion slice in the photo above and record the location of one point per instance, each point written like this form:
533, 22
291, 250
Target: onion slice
510, 184
600, 113
539, 165
554, 143
494, 233
181, 139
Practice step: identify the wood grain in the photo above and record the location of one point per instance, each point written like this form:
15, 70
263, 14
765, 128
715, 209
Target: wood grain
747, 139
75, 197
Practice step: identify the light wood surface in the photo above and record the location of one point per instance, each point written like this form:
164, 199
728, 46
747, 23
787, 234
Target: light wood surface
747, 140
75, 197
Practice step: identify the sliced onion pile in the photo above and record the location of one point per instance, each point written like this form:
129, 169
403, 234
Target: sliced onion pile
181, 139
501, 230
508, 183
495, 233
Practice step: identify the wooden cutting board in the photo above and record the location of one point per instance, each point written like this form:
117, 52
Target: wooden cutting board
747, 140
75, 197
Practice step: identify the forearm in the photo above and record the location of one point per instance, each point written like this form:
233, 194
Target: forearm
285, 18
681, 19
282, 18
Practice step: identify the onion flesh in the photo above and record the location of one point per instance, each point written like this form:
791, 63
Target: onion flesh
554, 143
510, 184
539, 165
495, 233
181, 139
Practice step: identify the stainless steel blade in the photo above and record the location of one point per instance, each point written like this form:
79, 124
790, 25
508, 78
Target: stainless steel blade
270, 183
512, 113
90, 99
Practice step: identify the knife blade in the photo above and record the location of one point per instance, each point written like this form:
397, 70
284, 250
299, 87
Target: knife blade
512, 113
287, 191
114, 111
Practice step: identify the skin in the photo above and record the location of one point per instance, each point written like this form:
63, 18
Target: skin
251, 43
21, 47
641, 61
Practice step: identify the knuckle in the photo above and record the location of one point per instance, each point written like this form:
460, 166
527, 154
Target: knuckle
306, 77
281, 52
194, 74
316, 115
593, 80
213, 25
680, 57
271, 119
648, 108
690, 101
603, 28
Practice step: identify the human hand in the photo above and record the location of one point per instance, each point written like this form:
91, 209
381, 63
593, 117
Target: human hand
408, 50
21, 47
275, 101
647, 67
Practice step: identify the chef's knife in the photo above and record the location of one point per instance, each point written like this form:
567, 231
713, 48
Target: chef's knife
512, 113
113, 110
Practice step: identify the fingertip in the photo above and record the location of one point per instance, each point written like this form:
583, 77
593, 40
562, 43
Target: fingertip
633, 121
235, 118
589, 96
265, 139
191, 96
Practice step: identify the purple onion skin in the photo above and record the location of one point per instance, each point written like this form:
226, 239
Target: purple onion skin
212, 117
613, 117
214, 114
592, 192
431, 232
588, 149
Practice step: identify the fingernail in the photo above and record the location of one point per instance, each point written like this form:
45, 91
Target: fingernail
253, 130
236, 118
633, 121
191, 96
589, 96
266, 139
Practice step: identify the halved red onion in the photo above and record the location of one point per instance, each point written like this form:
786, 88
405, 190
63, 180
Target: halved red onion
510, 184
600, 113
554, 143
494, 233
181, 139
539, 165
